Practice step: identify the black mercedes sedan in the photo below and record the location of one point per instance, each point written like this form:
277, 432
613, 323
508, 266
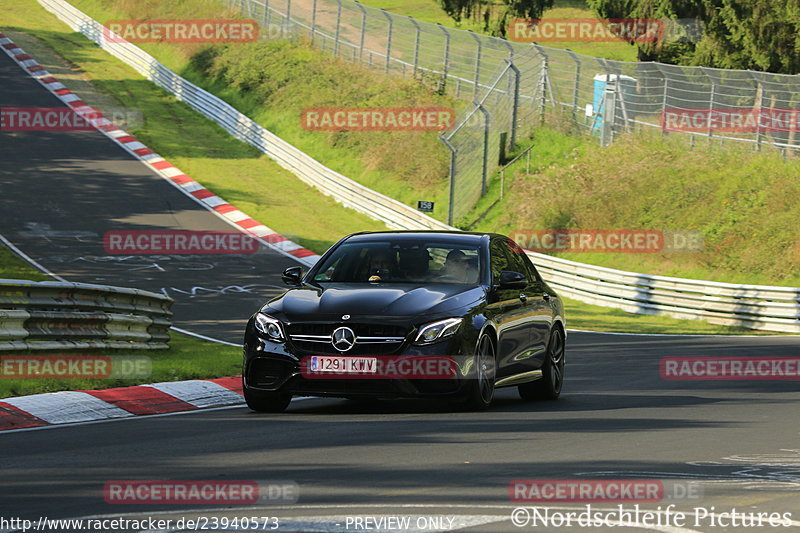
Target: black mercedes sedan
408, 314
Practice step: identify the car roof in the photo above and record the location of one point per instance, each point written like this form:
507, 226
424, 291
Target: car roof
460, 237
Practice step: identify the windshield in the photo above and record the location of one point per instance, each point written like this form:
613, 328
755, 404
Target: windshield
401, 262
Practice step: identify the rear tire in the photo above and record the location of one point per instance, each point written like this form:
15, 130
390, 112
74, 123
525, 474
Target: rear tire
266, 402
549, 386
481, 389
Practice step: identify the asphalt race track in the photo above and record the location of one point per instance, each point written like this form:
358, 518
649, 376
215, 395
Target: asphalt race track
738, 441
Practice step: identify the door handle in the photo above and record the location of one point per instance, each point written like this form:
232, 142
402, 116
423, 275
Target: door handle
546, 297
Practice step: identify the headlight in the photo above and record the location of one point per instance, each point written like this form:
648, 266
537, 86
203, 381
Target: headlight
269, 327
436, 331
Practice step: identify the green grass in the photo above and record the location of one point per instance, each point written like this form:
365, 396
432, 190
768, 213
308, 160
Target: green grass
256, 185
12, 267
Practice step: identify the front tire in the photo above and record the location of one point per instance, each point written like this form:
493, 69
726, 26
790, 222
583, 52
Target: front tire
481, 389
266, 402
549, 387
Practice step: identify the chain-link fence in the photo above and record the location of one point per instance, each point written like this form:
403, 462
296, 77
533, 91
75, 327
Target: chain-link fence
513, 85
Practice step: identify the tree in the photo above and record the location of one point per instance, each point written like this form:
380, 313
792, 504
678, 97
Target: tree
494, 17
751, 34
675, 10
743, 34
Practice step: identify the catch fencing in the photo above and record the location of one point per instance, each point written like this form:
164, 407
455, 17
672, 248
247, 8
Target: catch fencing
52, 315
512, 86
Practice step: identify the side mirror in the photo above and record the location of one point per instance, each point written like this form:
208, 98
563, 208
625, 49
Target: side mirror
512, 280
292, 275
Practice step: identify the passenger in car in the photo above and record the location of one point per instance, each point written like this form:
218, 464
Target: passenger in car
456, 267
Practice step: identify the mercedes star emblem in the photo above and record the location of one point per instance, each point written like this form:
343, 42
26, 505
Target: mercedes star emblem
343, 339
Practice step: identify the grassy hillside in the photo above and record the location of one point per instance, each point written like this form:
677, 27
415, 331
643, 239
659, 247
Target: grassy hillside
742, 202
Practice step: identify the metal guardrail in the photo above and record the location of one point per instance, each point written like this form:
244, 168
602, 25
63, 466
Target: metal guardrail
752, 306
762, 307
53, 315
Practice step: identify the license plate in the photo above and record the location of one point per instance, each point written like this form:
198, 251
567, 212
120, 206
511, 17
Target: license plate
343, 365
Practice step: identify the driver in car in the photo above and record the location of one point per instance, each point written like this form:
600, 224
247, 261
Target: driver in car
383, 266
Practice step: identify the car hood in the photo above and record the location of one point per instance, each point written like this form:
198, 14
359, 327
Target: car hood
384, 300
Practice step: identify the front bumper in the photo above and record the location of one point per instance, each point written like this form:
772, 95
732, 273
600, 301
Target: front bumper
269, 366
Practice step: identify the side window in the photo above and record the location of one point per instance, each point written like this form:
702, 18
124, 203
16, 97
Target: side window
498, 252
517, 260
533, 273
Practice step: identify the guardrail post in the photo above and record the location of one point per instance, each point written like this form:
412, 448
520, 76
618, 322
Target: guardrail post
389, 40
416, 44
288, 12
338, 28
266, 15
486, 126
515, 109
453, 158
477, 62
443, 87
363, 32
